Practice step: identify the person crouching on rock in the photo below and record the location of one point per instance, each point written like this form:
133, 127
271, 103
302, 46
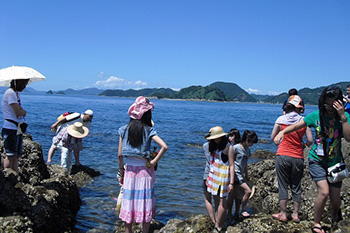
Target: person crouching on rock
221, 174
331, 124
65, 141
138, 177
290, 157
242, 154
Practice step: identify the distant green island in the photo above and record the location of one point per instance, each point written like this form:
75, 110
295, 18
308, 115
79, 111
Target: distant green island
220, 91
217, 91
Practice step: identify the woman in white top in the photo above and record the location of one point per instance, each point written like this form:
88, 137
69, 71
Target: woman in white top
13, 114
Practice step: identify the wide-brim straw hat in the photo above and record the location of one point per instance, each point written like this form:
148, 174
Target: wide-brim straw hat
77, 130
216, 132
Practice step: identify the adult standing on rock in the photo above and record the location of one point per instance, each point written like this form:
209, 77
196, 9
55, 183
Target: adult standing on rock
137, 177
13, 114
290, 157
331, 124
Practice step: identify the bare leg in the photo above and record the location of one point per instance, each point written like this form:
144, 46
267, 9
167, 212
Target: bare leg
208, 205
76, 157
237, 207
334, 196
296, 210
145, 227
323, 193
245, 199
221, 211
230, 198
50, 154
11, 162
128, 228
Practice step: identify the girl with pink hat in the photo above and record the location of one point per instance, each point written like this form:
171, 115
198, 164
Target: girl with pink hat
137, 178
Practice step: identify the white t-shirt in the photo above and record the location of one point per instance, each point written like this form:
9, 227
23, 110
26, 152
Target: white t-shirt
10, 97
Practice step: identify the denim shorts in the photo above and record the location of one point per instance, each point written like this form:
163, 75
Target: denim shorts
318, 172
12, 142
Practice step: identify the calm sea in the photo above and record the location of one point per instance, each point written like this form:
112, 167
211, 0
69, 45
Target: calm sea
181, 124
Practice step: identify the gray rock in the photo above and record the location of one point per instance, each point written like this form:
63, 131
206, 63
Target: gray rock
39, 198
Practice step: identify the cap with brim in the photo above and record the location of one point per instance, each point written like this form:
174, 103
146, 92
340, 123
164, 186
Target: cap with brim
89, 112
77, 130
296, 101
216, 132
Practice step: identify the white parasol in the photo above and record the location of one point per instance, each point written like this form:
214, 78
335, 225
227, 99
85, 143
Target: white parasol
19, 72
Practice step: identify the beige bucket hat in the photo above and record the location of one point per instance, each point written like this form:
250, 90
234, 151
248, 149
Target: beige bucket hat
216, 132
78, 130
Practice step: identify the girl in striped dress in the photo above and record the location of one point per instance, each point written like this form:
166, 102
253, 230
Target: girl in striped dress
138, 204
221, 175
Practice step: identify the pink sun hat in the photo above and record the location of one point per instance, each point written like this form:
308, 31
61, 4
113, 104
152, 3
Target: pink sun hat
141, 105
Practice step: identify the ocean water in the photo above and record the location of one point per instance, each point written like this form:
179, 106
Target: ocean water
181, 124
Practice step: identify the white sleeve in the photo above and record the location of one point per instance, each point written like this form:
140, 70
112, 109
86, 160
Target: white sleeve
12, 98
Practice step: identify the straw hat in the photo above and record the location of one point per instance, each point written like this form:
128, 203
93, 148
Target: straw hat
216, 132
77, 130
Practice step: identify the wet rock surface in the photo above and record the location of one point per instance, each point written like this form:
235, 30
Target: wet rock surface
40, 198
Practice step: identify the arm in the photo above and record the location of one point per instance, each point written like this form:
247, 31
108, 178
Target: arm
276, 129
338, 105
289, 129
18, 110
54, 126
231, 159
120, 160
309, 139
163, 149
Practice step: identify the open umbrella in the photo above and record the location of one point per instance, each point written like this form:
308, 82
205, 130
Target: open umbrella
19, 72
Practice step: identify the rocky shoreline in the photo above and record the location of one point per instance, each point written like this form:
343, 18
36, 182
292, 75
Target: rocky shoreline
41, 198
46, 199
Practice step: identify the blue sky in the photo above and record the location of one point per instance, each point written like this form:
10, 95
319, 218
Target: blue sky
263, 46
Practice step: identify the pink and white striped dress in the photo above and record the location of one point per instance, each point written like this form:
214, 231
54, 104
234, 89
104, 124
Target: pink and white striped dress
138, 203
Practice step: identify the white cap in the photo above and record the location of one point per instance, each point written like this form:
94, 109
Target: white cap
89, 112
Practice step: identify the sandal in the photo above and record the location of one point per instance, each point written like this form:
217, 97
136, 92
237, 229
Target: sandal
295, 219
319, 229
245, 214
279, 217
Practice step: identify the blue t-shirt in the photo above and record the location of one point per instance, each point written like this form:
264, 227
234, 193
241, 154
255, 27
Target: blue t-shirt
144, 150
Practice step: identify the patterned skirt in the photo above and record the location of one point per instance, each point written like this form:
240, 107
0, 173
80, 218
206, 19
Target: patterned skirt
138, 203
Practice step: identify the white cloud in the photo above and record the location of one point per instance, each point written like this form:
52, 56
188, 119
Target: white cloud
252, 91
115, 82
259, 92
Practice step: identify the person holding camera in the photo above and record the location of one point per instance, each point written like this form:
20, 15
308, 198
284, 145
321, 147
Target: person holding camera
13, 114
331, 124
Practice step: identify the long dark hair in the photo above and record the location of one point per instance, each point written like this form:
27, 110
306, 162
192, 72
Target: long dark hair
249, 135
235, 132
137, 129
222, 144
333, 92
19, 84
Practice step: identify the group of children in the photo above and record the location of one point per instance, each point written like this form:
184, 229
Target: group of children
226, 173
